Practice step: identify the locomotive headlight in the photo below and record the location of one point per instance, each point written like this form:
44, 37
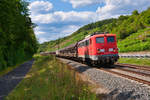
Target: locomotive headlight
111, 49
100, 50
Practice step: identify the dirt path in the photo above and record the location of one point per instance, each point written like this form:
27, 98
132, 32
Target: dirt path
9, 81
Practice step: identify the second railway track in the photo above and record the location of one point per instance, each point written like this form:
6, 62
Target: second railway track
137, 73
134, 66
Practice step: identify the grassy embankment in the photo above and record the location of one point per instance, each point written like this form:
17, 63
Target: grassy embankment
141, 62
49, 79
139, 41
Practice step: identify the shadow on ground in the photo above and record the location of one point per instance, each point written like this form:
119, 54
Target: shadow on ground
116, 95
78, 67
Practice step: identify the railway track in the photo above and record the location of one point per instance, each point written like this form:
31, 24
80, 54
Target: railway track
137, 73
127, 76
134, 66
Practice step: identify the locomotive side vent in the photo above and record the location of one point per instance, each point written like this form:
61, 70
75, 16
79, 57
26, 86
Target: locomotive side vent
95, 33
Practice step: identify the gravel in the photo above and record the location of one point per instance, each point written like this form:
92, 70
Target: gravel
120, 88
9, 81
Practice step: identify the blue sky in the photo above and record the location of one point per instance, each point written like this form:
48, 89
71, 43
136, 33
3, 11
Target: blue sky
59, 18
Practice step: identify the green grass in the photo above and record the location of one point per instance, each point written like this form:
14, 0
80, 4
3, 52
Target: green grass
145, 62
139, 41
49, 79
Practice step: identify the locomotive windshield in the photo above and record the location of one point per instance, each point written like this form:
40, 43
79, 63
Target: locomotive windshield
110, 39
100, 40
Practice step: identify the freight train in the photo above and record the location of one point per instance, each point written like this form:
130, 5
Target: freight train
96, 49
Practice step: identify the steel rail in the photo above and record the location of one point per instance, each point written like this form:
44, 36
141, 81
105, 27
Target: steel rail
134, 66
135, 72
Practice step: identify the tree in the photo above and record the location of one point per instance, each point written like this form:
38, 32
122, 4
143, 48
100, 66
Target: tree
17, 39
135, 12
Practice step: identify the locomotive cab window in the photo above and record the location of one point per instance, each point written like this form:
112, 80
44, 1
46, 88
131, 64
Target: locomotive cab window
110, 39
100, 40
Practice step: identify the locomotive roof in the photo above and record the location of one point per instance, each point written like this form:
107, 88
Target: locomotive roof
97, 35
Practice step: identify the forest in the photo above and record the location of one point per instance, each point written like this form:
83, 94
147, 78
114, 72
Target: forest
135, 26
17, 39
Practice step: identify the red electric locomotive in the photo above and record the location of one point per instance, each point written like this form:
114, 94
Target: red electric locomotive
98, 48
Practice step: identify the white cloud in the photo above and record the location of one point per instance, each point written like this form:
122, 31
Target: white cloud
67, 30
62, 23
64, 31
38, 31
120, 7
119, 3
112, 8
40, 6
81, 3
55, 32
60, 16
43, 18
43, 39
74, 16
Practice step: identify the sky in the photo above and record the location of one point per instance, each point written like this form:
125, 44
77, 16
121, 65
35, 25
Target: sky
60, 18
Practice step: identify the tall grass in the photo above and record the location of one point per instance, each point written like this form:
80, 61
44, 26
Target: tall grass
50, 79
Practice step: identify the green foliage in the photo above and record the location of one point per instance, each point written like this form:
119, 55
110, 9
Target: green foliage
135, 12
17, 39
123, 27
139, 41
49, 79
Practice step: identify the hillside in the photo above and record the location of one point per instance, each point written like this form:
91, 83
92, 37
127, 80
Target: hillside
131, 30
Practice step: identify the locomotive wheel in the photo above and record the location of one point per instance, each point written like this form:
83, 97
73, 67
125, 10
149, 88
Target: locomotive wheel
93, 63
89, 62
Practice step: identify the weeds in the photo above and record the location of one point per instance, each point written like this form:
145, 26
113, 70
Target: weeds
50, 79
